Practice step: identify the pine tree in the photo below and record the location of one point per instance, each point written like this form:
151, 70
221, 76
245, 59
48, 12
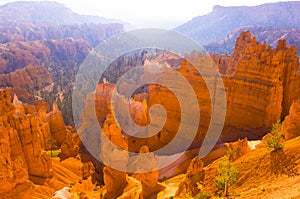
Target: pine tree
274, 139
228, 175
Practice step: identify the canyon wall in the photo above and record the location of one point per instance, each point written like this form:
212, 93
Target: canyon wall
30, 77
22, 157
261, 84
26, 132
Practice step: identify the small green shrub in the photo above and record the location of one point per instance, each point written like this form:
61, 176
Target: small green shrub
274, 141
228, 175
165, 178
53, 153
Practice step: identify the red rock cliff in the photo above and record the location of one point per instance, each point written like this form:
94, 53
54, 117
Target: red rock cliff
21, 154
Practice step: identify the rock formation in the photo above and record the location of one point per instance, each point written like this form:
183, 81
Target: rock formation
260, 82
149, 180
234, 150
291, 123
138, 110
87, 170
21, 154
64, 137
14, 173
103, 100
70, 147
254, 60
193, 177
30, 77
57, 126
115, 180
38, 162
19, 109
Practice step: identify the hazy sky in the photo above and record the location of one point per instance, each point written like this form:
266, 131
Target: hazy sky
151, 13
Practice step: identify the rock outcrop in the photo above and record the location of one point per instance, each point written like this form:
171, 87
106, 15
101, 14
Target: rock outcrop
70, 147
21, 154
251, 58
57, 126
115, 180
237, 149
149, 180
138, 112
291, 123
103, 100
30, 77
260, 83
64, 137
38, 162
193, 178
14, 173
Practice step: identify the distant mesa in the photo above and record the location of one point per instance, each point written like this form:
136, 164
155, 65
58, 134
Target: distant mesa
221, 21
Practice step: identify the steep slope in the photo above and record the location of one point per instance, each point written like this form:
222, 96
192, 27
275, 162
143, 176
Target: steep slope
264, 173
222, 20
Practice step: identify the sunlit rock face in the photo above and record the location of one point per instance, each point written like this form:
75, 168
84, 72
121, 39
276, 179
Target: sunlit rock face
115, 181
260, 84
65, 137
193, 177
21, 153
291, 123
57, 126
148, 180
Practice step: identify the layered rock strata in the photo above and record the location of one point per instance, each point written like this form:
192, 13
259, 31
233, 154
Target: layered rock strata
21, 153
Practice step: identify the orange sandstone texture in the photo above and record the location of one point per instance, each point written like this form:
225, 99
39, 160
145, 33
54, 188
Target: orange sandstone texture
30, 77
57, 126
115, 181
21, 154
65, 137
193, 177
149, 180
291, 123
260, 82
